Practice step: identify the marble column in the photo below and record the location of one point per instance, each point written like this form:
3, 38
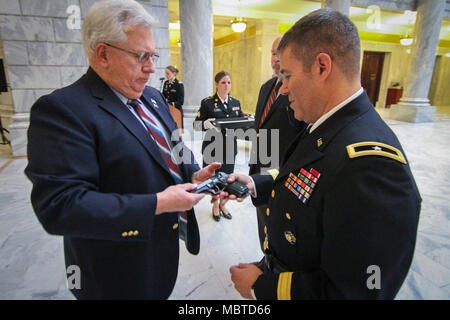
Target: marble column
343, 6
196, 55
414, 106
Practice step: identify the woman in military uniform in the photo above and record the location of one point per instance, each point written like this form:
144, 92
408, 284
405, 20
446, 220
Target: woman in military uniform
220, 105
173, 90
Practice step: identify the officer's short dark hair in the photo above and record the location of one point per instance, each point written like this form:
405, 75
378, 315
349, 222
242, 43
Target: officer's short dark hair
172, 69
220, 75
328, 31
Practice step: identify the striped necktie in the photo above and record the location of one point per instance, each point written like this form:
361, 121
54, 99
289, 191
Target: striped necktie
158, 135
270, 101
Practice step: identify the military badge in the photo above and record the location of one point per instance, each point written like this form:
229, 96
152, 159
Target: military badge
154, 103
303, 184
290, 237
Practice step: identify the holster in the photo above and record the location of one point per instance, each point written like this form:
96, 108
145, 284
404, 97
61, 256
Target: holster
273, 264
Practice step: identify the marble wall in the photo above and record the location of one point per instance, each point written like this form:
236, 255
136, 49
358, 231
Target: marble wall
6, 104
439, 93
248, 62
43, 50
395, 67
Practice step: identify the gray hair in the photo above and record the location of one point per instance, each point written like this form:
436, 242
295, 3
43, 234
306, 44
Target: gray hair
109, 21
328, 31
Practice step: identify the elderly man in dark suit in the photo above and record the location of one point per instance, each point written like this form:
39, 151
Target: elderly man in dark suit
104, 169
272, 113
343, 209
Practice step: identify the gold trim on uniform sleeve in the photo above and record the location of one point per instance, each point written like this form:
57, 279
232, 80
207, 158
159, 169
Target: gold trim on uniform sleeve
273, 172
370, 148
284, 286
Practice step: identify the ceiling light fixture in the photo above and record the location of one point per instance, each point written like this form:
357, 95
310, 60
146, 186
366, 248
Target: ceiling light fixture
238, 25
406, 41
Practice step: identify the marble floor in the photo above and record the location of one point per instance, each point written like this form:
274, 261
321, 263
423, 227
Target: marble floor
32, 263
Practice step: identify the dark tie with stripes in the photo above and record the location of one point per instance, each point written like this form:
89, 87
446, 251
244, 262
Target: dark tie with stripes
158, 135
270, 101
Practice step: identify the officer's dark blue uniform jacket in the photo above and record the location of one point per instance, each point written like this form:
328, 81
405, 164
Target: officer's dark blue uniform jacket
212, 107
95, 172
360, 214
174, 93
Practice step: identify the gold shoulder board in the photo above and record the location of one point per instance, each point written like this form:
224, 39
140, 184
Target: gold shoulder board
371, 148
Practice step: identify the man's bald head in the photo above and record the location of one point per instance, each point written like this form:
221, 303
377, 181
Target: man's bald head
275, 60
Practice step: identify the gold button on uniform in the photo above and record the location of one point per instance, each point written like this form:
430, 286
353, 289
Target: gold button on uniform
135, 233
130, 233
175, 226
266, 243
268, 211
124, 234
288, 216
265, 229
273, 193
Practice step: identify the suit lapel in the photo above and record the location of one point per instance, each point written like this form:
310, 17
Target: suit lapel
299, 158
268, 87
158, 107
112, 104
279, 102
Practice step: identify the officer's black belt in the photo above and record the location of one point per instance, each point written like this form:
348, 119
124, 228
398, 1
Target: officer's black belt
273, 264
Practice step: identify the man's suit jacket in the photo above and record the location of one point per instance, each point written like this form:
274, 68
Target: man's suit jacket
280, 117
342, 212
95, 172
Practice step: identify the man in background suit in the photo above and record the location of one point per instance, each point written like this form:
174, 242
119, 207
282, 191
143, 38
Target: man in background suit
103, 167
272, 112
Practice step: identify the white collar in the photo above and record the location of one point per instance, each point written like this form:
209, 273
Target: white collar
223, 101
335, 109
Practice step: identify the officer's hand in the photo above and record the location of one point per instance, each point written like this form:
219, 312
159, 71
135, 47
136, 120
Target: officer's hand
241, 178
206, 172
244, 277
177, 198
207, 124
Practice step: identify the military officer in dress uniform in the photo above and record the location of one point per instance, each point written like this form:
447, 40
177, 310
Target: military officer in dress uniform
219, 106
173, 90
343, 208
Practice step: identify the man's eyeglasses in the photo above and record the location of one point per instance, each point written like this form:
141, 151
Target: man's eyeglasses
142, 57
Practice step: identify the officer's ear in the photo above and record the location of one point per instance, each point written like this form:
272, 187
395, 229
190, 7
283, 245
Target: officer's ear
322, 65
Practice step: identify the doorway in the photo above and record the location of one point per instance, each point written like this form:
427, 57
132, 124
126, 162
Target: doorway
371, 71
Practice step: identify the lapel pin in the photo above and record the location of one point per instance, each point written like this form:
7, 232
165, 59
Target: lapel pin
319, 142
154, 103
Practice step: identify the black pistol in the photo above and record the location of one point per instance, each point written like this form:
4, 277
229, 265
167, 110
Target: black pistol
219, 183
